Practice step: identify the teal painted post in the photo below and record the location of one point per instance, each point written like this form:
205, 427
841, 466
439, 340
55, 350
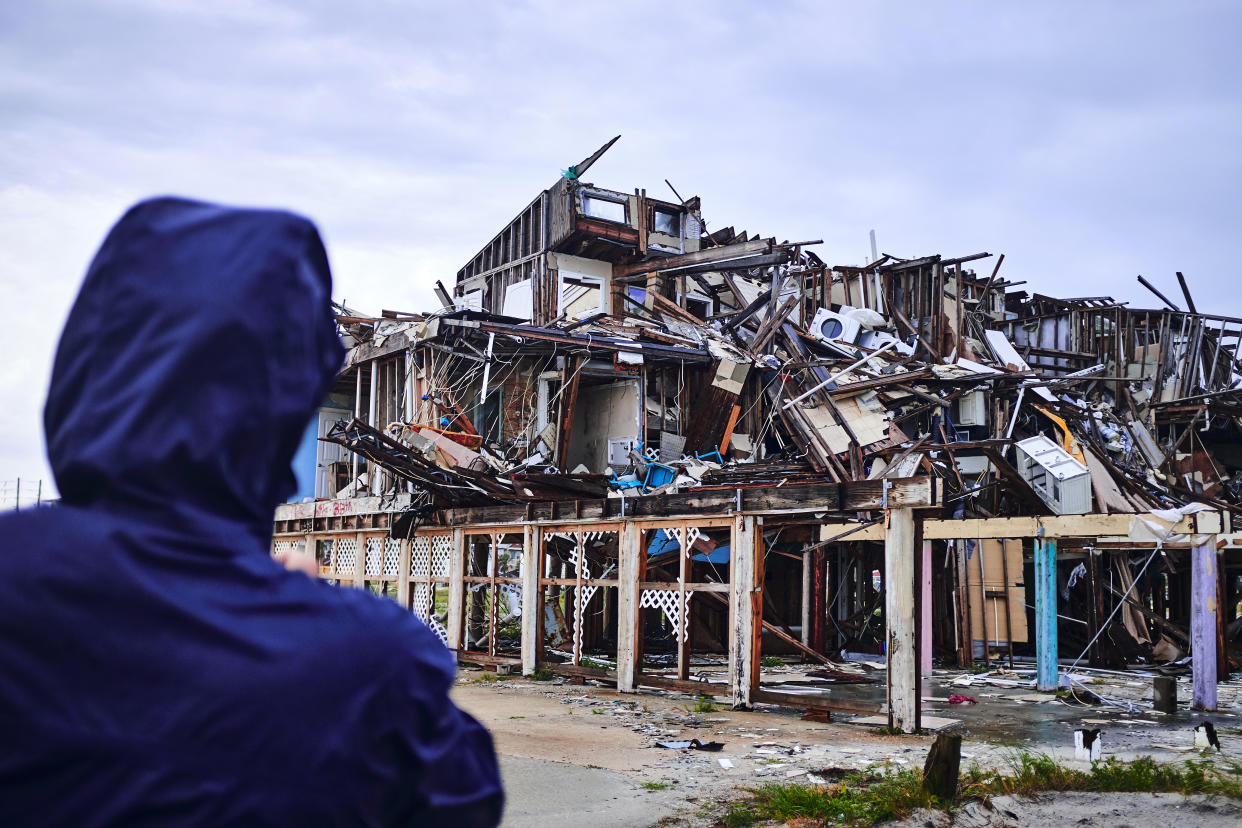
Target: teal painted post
1046, 613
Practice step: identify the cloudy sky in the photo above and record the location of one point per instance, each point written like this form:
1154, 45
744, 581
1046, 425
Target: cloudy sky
1089, 142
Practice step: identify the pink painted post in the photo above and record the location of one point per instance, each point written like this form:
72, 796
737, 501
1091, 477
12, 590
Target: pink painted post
1203, 599
925, 636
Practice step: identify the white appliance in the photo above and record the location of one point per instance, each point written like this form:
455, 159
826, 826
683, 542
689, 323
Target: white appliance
1057, 476
972, 409
834, 328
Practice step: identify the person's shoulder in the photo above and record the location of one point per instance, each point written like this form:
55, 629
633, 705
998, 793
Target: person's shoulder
35, 530
381, 624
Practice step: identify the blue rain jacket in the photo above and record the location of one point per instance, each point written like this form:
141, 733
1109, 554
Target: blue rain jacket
156, 666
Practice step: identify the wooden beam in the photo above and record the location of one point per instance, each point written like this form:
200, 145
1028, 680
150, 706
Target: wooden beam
1061, 526
582, 166
712, 254
789, 499
913, 492
807, 701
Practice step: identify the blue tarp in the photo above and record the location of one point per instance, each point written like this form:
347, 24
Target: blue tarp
662, 543
157, 667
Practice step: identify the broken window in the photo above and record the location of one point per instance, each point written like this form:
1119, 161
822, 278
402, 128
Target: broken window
581, 295
666, 221
699, 306
487, 417
603, 208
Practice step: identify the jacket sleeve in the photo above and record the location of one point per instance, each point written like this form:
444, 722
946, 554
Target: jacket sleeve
458, 777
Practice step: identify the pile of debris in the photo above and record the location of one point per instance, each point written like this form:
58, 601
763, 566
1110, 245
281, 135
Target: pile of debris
803, 372
606, 350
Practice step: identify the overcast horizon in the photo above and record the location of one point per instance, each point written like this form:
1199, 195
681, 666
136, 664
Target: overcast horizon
1088, 143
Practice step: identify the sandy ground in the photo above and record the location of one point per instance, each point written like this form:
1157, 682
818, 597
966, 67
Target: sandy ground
586, 752
561, 758
1087, 810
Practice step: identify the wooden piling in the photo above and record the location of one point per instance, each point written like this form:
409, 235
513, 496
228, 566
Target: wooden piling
1046, 613
903, 663
1203, 624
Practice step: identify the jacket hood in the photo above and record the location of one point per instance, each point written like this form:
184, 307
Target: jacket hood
200, 344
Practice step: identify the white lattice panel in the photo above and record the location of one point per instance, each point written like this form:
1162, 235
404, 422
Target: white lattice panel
282, 547
423, 600
392, 557
669, 601
438, 629
346, 556
441, 554
374, 562
420, 558
580, 564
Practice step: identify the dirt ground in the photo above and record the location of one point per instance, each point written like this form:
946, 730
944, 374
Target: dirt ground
589, 754
547, 734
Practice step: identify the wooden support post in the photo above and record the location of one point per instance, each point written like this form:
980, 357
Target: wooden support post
360, 561
456, 596
403, 574
570, 378
627, 606
1203, 623
312, 547
966, 636
925, 613
353, 455
373, 480
1046, 613
685, 635
807, 579
903, 660
819, 599
745, 602
983, 605
531, 605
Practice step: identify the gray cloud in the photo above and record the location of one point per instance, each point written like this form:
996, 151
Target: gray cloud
1088, 142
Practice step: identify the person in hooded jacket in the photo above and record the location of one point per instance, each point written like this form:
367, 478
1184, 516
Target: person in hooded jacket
157, 667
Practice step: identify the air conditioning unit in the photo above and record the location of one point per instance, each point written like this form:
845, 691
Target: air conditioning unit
1057, 476
834, 328
972, 409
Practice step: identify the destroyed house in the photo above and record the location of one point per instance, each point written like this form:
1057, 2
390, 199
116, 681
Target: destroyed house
631, 449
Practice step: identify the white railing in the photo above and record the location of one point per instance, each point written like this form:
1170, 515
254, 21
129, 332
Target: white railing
24, 493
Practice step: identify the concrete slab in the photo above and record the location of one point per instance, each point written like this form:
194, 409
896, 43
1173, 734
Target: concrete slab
543, 793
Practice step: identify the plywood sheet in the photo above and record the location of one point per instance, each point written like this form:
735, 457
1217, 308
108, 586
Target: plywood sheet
992, 594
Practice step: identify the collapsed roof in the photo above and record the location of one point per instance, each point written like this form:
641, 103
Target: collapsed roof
606, 344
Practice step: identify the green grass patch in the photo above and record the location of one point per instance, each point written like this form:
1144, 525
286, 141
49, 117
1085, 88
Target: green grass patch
655, 786
542, 674
881, 794
703, 705
771, 661
1031, 774
590, 662
888, 731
